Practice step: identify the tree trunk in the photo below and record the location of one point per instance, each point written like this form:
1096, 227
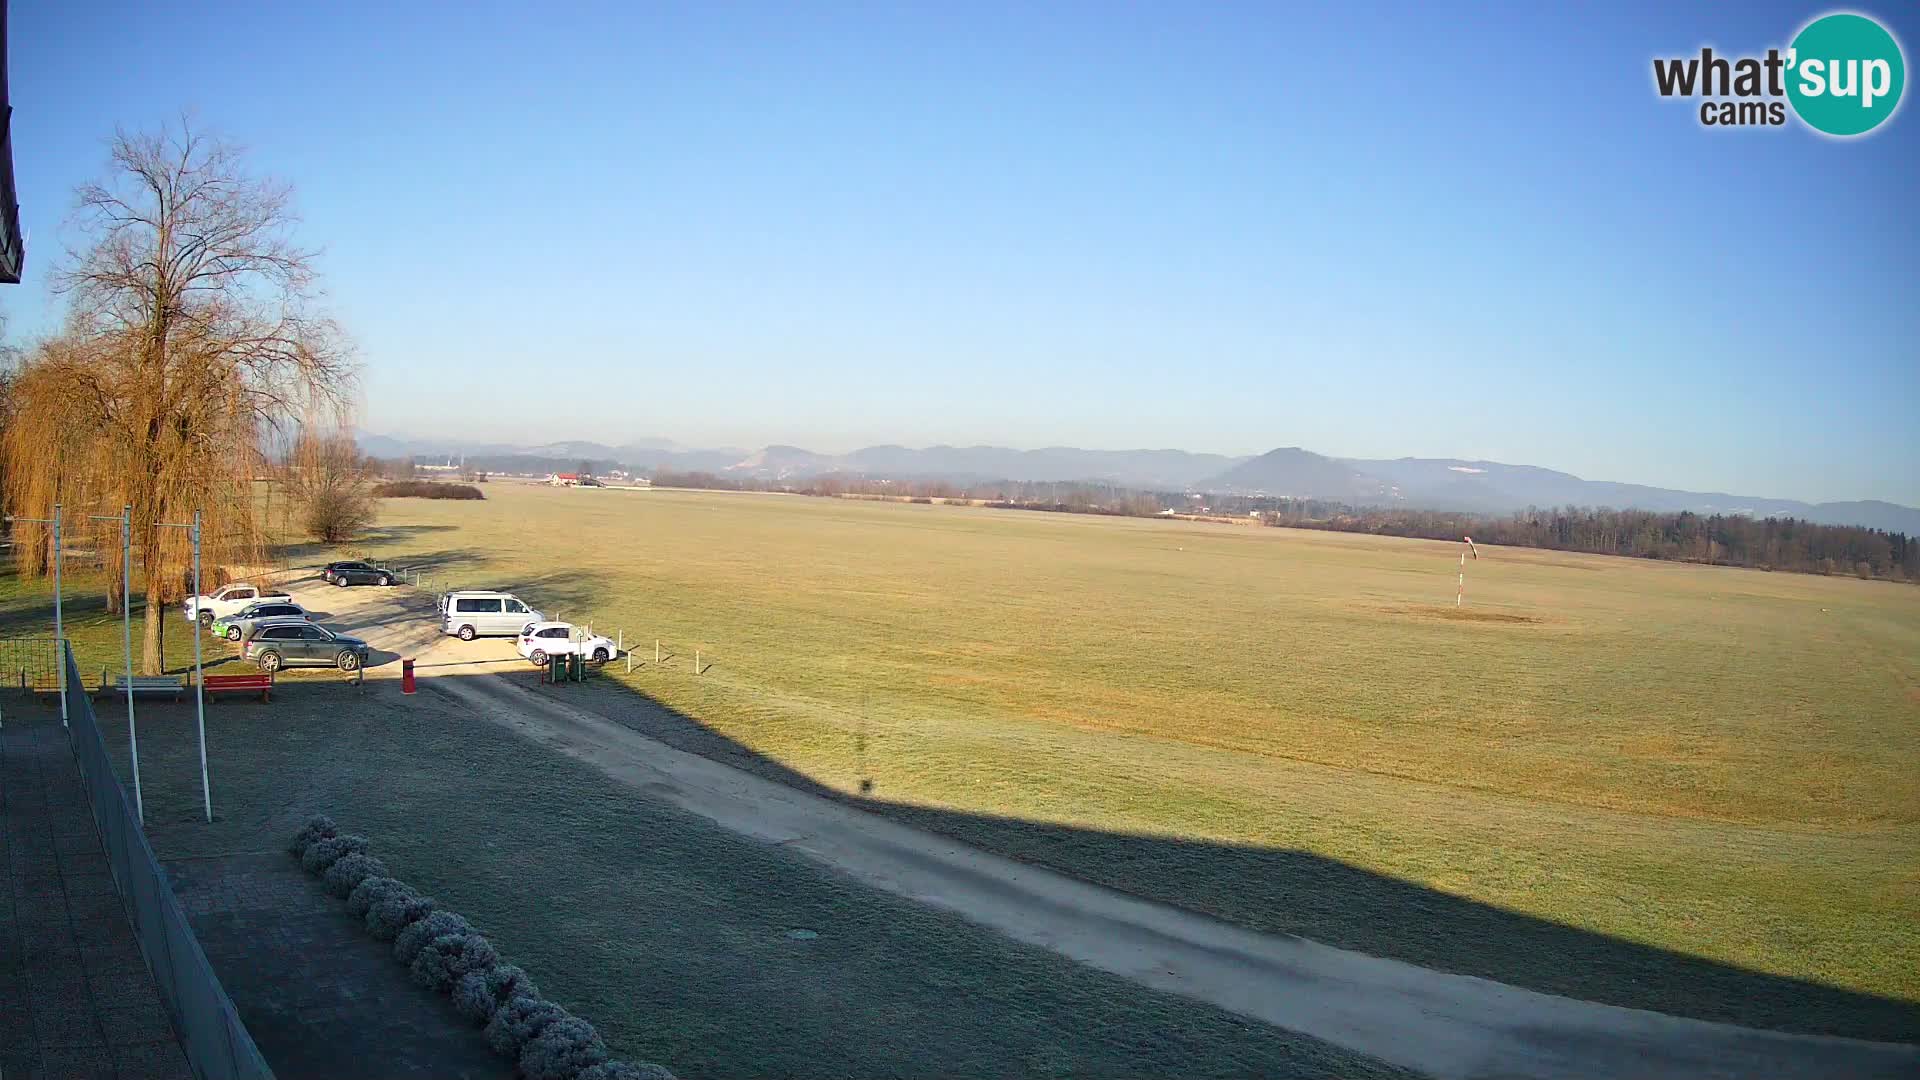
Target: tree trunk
153, 654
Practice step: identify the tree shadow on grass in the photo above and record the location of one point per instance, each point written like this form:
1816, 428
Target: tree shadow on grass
1295, 892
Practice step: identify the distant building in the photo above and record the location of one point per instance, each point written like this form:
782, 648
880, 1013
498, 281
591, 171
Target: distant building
564, 479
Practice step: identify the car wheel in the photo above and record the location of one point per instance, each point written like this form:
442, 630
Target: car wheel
539, 657
341, 581
386, 579
466, 633
206, 619
600, 656
348, 661
233, 633
270, 662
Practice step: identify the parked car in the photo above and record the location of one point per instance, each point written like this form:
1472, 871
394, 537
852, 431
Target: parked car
480, 613
229, 599
548, 639
299, 643
356, 573
235, 626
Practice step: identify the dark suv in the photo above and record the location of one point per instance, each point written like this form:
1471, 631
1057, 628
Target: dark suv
356, 573
289, 643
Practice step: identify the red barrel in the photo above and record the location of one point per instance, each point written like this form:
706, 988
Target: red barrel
406, 675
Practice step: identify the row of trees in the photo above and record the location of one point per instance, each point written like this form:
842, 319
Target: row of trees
191, 346
1723, 539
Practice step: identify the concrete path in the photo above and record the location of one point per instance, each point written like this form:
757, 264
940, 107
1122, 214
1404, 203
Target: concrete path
1451, 1026
76, 999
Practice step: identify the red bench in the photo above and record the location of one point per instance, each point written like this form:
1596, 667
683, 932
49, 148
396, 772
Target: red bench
262, 682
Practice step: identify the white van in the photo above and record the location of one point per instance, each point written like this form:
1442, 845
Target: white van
480, 613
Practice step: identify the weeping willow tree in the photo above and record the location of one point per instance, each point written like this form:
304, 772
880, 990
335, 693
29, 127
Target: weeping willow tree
188, 337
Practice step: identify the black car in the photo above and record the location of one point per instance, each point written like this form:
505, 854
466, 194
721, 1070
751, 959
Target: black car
291, 643
356, 573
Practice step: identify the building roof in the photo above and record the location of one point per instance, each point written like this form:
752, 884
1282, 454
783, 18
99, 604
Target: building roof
13, 248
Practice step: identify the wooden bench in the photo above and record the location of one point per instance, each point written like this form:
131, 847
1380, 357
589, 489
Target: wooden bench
261, 681
171, 685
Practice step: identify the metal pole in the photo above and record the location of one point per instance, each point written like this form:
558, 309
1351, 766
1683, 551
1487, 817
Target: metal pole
199, 680
59, 626
126, 645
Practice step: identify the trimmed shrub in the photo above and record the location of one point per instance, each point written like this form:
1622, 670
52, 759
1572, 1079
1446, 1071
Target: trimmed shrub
425, 489
324, 853
371, 890
624, 1070
561, 1050
318, 827
518, 1021
348, 871
396, 911
408, 943
446, 960
480, 992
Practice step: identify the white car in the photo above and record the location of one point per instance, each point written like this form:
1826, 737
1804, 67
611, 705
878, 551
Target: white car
228, 600
544, 639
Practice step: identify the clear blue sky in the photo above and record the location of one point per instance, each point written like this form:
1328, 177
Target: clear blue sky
1367, 231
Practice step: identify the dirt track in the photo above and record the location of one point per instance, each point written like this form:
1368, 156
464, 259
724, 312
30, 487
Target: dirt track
1446, 1025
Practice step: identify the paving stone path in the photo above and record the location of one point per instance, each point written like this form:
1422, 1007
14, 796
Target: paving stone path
76, 999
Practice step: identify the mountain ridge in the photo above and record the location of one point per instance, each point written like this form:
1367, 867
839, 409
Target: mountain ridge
1460, 484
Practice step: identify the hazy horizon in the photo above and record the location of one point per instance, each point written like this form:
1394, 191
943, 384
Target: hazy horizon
1372, 234
834, 450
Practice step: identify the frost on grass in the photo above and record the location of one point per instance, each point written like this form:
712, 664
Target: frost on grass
348, 871
408, 943
624, 1070
561, 1049
318, 827
480, 992
518, 1021
324, 853
396, 911
372, 889
449, 958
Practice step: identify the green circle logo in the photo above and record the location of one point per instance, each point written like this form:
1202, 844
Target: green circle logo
1845, 74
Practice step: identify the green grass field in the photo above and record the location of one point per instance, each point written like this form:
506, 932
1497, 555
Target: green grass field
1698, 773
1709, 761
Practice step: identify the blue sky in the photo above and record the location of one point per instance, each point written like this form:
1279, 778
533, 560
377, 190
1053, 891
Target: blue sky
1388, 231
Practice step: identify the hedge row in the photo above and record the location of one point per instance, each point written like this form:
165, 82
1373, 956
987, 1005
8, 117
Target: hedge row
445, 953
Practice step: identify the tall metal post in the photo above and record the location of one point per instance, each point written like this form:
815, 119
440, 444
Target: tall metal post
59, 626
126, 645
199, 680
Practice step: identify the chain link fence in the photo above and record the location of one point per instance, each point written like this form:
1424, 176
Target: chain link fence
217, 1044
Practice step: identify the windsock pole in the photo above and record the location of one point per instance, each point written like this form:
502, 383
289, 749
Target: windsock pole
1460, 590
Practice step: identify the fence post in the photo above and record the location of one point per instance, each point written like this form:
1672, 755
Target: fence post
629, 663
696, 661
620, 640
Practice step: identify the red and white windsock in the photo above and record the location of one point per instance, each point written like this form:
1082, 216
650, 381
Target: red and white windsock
1460, 593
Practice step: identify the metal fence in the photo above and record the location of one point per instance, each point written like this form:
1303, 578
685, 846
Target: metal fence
217, 1044
30, 663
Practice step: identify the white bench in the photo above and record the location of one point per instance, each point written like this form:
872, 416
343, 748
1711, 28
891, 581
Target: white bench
170, 685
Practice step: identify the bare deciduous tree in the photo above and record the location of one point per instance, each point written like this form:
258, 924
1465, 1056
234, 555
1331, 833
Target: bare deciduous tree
189, 334
327, 479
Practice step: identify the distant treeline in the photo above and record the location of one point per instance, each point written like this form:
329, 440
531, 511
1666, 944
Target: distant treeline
1721, 539
426, 489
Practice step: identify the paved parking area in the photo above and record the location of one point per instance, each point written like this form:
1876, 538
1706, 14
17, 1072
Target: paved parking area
76, 999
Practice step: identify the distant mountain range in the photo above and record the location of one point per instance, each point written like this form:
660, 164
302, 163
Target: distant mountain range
1424, 483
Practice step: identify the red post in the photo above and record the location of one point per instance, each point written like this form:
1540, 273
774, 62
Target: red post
406, 675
